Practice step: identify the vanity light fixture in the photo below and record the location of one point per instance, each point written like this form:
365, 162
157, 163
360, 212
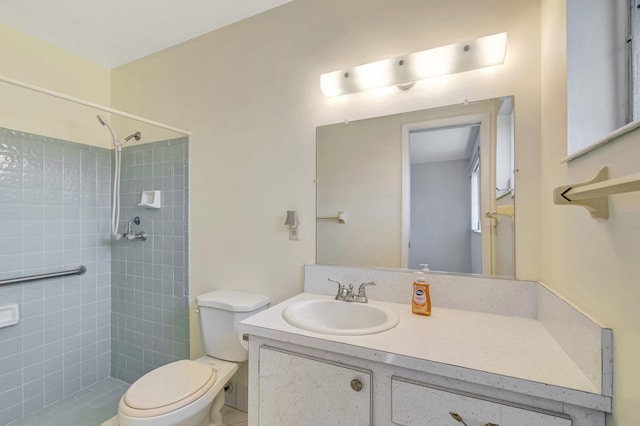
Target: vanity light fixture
403, 71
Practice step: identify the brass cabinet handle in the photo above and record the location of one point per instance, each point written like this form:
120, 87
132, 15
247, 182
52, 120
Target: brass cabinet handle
356, 385
459, 418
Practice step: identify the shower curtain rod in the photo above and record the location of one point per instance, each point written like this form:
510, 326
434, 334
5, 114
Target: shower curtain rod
59, 95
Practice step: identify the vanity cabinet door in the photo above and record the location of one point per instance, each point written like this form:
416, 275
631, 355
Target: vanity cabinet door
296, 390
418, 405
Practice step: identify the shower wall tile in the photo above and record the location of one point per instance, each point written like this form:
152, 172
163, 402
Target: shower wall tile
51, 193
150, 318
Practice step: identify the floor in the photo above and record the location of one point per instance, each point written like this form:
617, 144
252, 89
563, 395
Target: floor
88, 407
96, 405
230, 417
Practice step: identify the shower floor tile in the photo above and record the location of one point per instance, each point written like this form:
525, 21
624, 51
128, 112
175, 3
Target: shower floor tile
88, 407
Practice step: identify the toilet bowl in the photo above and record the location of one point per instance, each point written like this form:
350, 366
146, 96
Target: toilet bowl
182, 393
191, 393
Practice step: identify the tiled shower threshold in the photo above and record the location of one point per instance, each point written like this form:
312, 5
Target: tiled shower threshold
97, 404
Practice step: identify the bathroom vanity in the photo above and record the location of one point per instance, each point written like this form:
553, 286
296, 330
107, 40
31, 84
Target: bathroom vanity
494, 352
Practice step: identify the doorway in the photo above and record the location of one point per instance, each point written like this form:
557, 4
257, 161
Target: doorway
446, 181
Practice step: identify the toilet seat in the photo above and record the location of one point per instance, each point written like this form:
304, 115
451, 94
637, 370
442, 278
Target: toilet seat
168, 388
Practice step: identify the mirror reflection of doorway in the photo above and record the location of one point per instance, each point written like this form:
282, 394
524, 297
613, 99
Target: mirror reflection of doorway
445, 230
439, 226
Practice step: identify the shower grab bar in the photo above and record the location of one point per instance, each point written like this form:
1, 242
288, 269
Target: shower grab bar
78, 271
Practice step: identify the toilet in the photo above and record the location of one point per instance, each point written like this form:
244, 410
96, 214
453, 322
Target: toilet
191, 393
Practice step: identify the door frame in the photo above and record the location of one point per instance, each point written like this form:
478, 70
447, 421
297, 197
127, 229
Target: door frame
487, 174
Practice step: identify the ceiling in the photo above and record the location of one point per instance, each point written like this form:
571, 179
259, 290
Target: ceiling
120, 31
448, 143
442, 144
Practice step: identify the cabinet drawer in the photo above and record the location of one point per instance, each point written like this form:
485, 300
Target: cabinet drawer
421, 405
297, 390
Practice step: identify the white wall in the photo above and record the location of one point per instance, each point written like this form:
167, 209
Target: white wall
441, 216
359, 172
33, 61
593, 263
250, 93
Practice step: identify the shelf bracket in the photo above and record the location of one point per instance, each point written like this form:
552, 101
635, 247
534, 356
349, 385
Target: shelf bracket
594, 194
598, 207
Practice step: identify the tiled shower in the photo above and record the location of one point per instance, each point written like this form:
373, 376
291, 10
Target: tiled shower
150, 319
129, 312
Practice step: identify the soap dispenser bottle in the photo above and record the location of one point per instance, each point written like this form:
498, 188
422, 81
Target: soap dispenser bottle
421, 300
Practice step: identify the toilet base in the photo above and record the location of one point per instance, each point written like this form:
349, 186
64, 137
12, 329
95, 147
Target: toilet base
194, 414
214, 418
215, 413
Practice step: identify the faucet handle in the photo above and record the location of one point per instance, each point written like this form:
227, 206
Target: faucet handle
341, 290
362, 295
361, 289
336, 281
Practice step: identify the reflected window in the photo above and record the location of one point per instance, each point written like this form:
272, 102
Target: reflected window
599, 88
475, 194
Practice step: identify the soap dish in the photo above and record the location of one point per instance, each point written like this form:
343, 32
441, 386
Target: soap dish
9, 315
150, 199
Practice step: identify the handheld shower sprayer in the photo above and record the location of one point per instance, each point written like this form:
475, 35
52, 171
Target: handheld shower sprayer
102, 121
118, 144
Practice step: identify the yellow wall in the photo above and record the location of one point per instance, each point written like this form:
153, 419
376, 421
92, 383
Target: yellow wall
595, 264
33, 61
250, 94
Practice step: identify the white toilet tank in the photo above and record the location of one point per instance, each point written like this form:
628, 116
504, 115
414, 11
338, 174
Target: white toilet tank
220, 312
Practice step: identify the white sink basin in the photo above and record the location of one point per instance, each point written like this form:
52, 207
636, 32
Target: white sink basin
339, 317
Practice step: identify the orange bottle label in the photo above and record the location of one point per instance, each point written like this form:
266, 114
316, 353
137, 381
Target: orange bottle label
421, 301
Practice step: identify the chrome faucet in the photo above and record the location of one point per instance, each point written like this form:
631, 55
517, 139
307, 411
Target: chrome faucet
130, 235
347, 294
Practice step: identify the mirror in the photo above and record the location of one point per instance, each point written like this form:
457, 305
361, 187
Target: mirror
432, 187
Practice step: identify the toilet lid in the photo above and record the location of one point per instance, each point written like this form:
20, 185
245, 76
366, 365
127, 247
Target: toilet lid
166, 387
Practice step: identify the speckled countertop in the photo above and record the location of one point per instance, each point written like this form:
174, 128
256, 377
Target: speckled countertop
506, 352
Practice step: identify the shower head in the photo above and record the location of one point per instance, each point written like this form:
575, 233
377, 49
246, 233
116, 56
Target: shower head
117, 143
136, 135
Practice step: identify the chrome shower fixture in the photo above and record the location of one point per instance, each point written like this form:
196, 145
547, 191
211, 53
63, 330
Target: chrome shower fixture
136, 135
130, 234
118, 144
